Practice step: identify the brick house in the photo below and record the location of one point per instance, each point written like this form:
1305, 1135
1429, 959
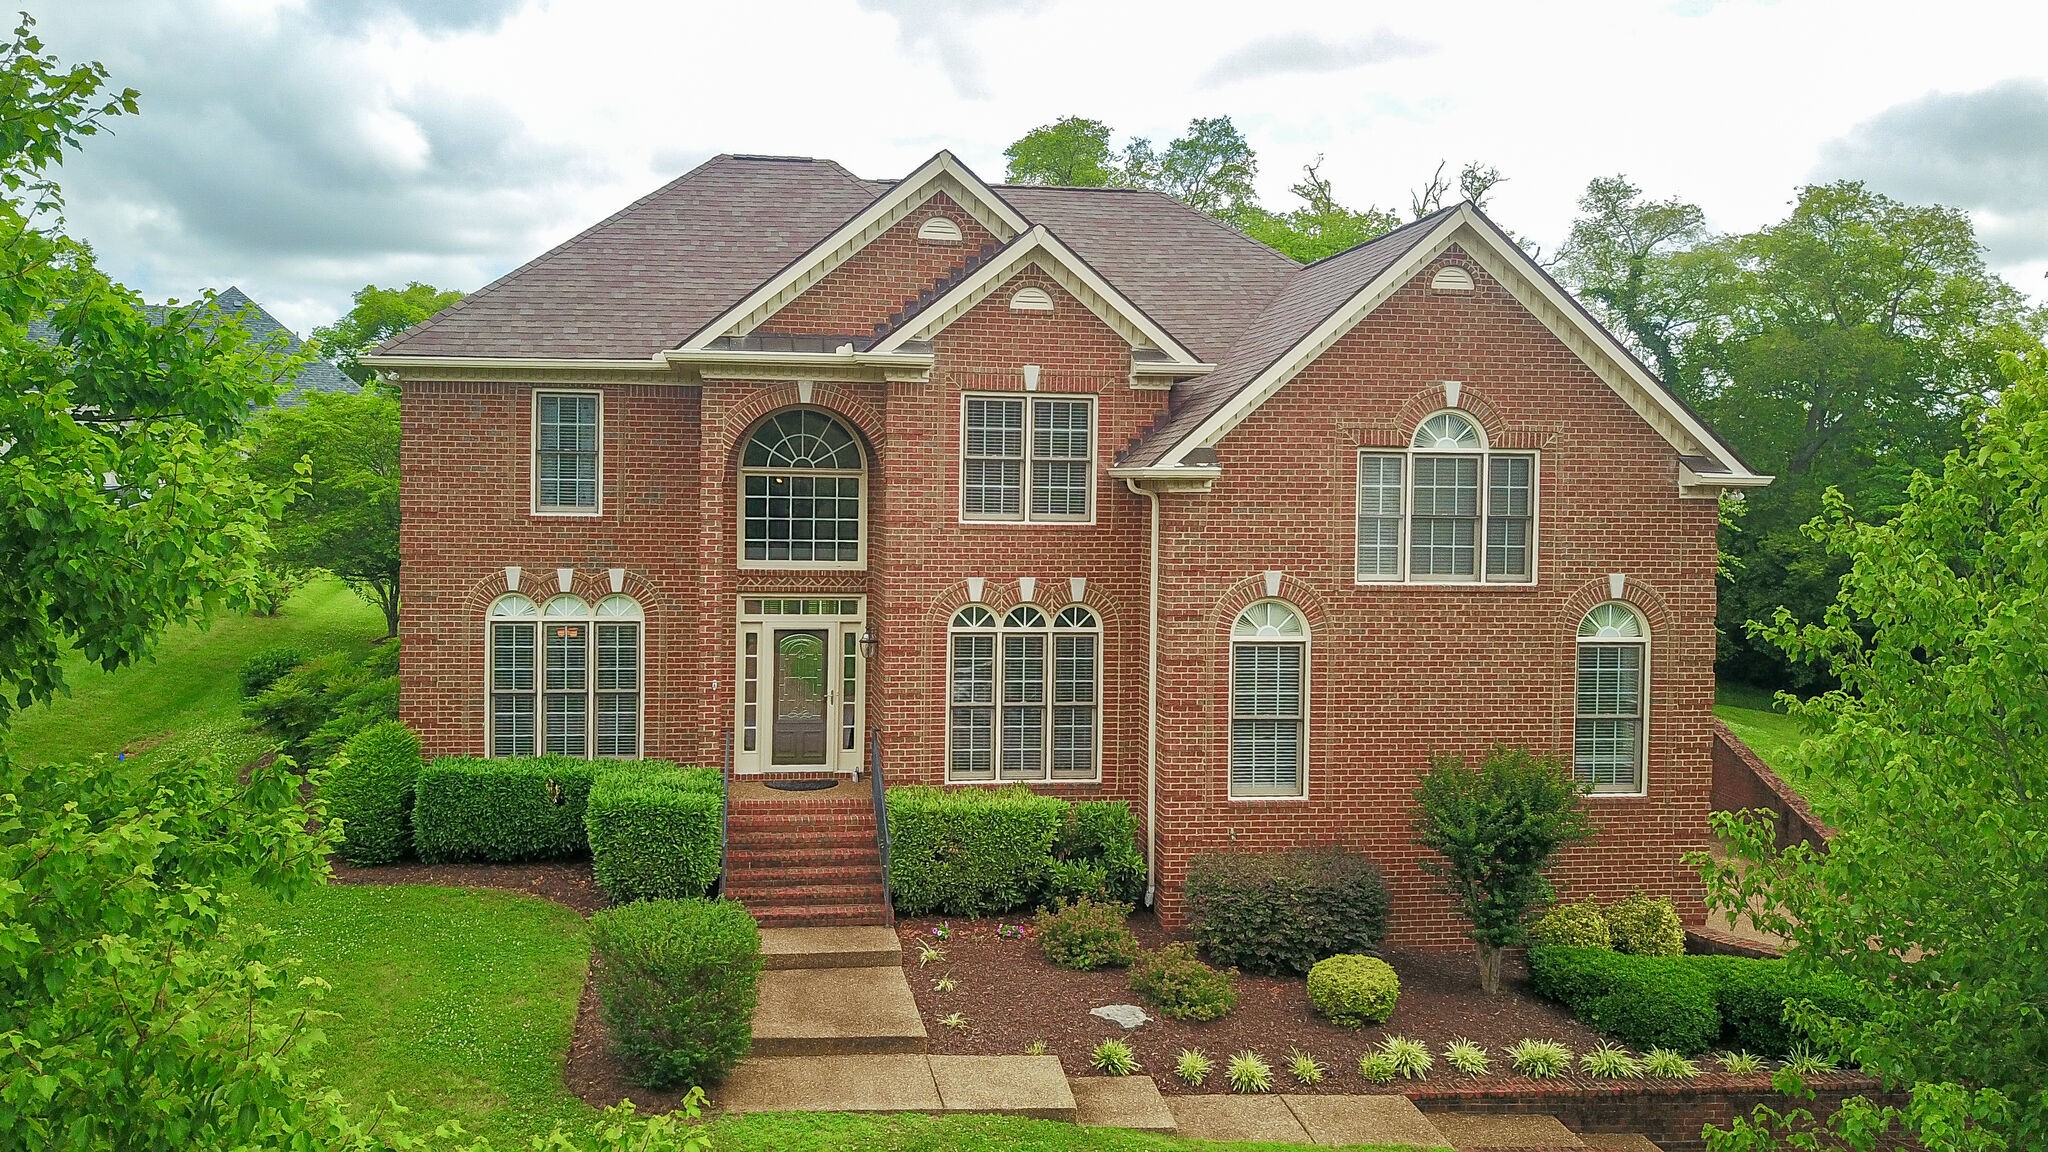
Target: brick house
1070, 487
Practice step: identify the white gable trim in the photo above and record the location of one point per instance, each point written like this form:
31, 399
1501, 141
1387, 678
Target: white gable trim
942, 173
1041, 249
1512, 267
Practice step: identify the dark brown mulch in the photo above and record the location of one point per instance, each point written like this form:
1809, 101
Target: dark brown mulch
598, 1077
1011, 995
566, 882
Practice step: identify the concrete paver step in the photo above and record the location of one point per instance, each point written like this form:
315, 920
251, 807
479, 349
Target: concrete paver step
1004, 1085
830, 1084
1236, 1118
854, 947
1364, 1120
1120, 1102
1477, 1132
836, 1012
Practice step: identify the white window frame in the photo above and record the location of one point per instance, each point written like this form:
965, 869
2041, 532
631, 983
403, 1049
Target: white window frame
1030, 401
860, 561
1244, 633
998, 631
1641, 642
515, 608
1486, 454
533, 454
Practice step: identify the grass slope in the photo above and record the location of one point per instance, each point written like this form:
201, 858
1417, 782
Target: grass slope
770, 1132
185, 699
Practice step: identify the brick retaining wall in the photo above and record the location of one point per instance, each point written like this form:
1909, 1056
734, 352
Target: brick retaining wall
1743, 780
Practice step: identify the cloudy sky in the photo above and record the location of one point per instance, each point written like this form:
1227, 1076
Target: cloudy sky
303, 148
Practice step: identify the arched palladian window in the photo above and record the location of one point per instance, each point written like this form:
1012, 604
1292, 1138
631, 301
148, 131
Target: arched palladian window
1024, 694
565, 677
801, 475
1610, 725
1268, 701
1448, 509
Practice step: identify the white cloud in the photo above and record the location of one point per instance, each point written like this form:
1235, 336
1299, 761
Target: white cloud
1310, 52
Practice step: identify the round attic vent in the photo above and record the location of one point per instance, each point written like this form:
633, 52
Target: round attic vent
939, 230
1031, 300
1451, 278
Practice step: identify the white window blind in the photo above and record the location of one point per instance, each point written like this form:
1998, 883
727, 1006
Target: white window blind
565, 451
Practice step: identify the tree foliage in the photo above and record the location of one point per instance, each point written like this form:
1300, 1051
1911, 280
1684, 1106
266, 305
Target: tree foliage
1210, 169
347, 520
1322, 226
124, 503
1496, 828
1070, 152
377, 315
1932, 761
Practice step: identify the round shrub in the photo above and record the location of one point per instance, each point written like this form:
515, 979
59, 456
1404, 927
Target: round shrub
1646, 926
1578, 925
263, 669
1086, 935
676, 980
1354, 990
370, 790
1175, 981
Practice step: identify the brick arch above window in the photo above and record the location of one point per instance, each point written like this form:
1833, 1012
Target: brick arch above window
742, 419
1472, 404
1644, 598
1245, 593
539, 584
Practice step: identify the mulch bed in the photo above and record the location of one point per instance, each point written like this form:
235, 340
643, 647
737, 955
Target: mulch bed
1011, 995
566, 882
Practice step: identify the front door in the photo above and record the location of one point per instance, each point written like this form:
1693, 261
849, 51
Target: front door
802, 704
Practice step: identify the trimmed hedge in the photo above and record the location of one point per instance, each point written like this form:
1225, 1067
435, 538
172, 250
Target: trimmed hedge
970, 851
653, 829
677, 981
369, 789
1354, 990
1095, 855
1577, 925
1277, 913
1645, 926
1687, 1003
512, 809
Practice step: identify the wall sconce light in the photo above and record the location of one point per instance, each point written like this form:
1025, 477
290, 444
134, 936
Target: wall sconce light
870, 643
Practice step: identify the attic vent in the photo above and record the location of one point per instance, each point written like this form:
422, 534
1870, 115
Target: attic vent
939, 230
1451, 278
1031, 300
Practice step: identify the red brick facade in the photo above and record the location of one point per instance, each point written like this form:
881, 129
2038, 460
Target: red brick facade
1397, 673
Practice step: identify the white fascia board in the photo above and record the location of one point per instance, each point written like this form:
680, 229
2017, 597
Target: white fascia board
1170, 368
1038, 245
1691, 483
834, 250
1514, 269
1162, 480
522, 363
713, 357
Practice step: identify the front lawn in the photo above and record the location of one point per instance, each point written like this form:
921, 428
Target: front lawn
1754, 716
186, 700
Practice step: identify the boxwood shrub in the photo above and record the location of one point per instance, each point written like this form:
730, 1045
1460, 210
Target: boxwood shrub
369, 789
1354, 990
1687, 1003
1277, 913
676, 980
1095, 855
517, 808
1752, 996
970, 851
654, 829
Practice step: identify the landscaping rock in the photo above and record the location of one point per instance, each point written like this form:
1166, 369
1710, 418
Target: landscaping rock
1127, 1016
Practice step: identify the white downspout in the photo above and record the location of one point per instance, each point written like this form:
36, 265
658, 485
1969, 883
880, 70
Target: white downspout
1151, 705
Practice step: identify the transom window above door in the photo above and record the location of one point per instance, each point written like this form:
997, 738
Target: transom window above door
1448, 510
1027, 459
802, 499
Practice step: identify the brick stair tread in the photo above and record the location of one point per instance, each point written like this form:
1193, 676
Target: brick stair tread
762, 840
759, 859
810, 877
812, 894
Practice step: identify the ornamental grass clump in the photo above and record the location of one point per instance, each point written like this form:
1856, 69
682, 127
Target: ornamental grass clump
1305, 1069
1377, 1067
1113, 1058
1411, 1058
1467, 1057
1669, 1065
1740, 1063
1575, 925
1645, 926
1085, 935
1193, 1067
1249, 1072
1539, 1059
1610, 1063
1354, 990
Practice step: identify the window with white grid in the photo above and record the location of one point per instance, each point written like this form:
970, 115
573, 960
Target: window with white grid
565, 451
1024, 695
565, 679
1268, 701
1608, 731
1379, 515
801, 476
1449, 509
1027, 458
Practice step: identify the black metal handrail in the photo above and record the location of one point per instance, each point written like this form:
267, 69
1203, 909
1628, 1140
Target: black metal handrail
881, 819
725, 815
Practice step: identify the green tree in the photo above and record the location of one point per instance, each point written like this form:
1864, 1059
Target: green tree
1646, 268
124, 502
377, 315
1210, 169
1321, 226
347, 520
1932, 757
1496, 829
1072, 151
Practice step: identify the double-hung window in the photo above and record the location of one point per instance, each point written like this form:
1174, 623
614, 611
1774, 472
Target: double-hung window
1027, 458
565, 451
1609, 727
1446, 510
1268, 701
565, 679
1024, 695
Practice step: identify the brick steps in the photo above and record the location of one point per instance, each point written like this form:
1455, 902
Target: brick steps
861, 915
805, 863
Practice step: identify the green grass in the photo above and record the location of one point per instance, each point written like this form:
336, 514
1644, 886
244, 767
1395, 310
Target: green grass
771, 1132
1756, 718
185, 699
